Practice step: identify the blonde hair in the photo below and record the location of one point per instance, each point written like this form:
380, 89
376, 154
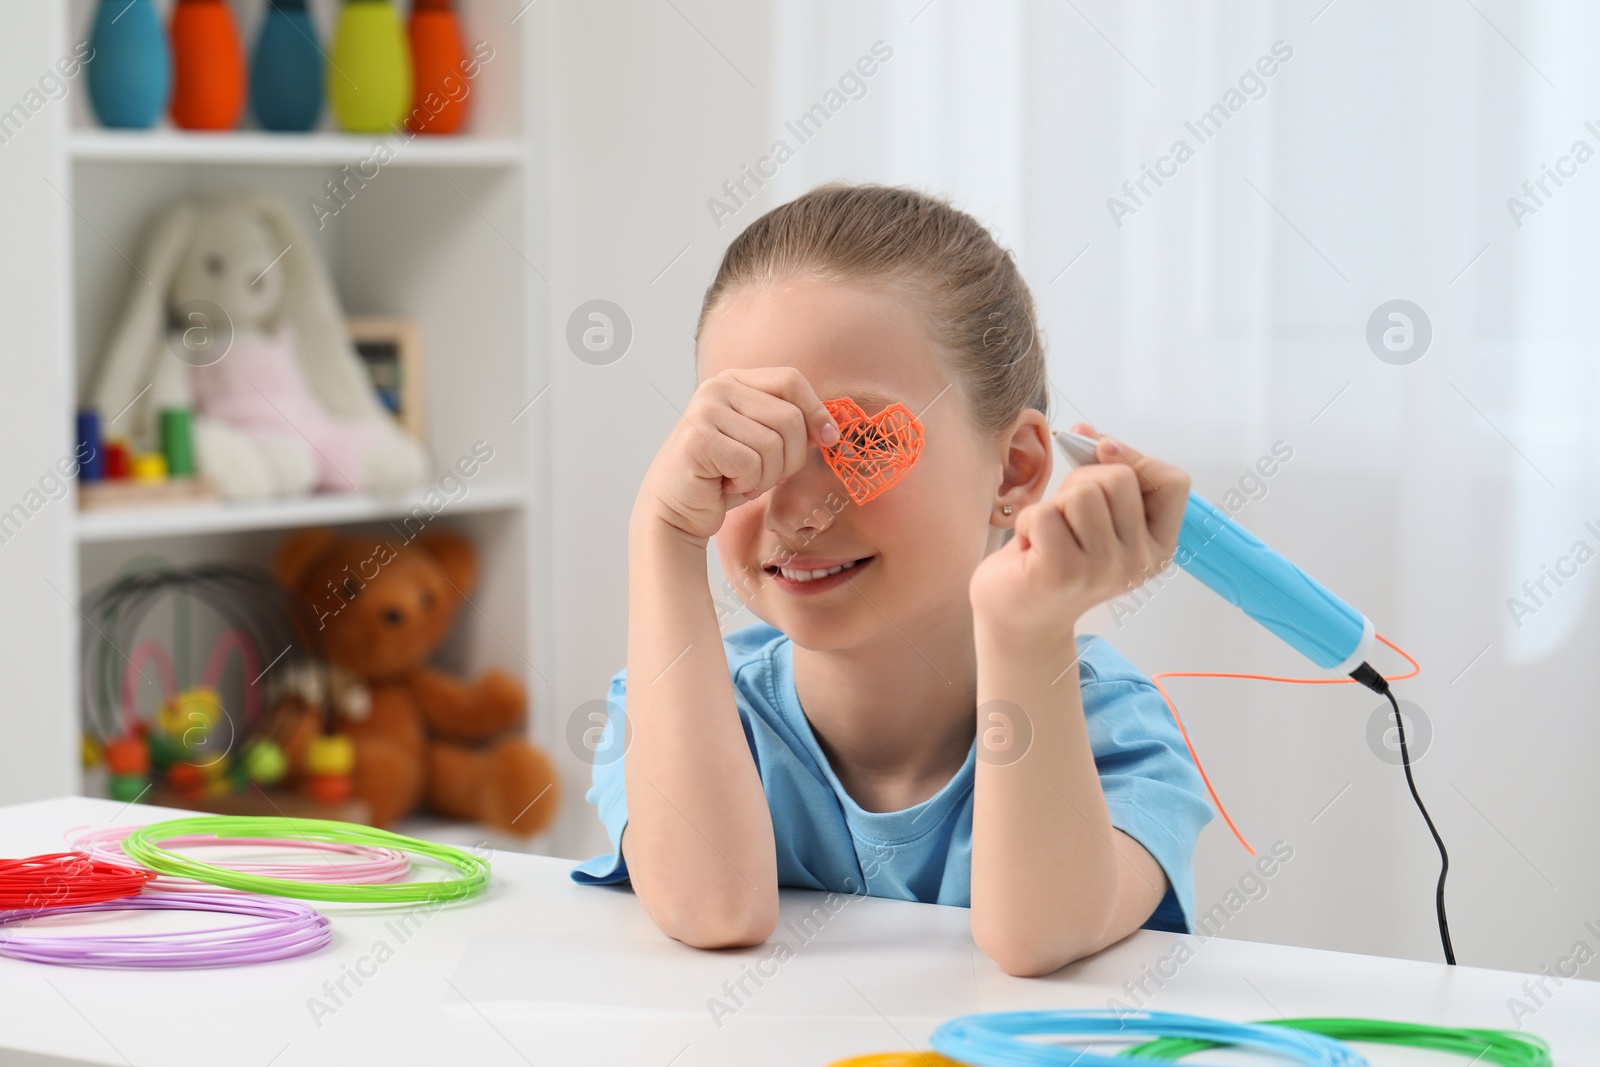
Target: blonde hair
978, 309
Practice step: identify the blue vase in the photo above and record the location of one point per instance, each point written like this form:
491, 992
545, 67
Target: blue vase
130, 76
286, 73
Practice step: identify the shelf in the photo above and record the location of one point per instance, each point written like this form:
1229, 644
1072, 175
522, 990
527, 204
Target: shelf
293, 149
325, 509
449, 259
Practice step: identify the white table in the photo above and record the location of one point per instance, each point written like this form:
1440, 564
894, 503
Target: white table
540, 970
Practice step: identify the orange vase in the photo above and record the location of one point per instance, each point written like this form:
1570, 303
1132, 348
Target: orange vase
441, 88
208, 84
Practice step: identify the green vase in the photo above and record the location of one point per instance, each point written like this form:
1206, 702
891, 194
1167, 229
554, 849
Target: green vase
369, 78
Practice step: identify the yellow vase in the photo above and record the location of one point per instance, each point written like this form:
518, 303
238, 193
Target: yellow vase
369, 77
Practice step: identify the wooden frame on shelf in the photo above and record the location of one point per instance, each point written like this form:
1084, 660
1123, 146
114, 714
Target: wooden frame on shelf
391, 350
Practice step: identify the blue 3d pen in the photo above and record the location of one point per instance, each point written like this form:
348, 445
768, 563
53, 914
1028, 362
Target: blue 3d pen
1238, 567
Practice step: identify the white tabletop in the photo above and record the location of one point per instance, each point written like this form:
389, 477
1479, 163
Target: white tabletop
540, 970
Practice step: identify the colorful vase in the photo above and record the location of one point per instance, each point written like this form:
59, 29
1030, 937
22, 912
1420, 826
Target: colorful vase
286, 72
208, 66
130, 75
369, 76
438, 56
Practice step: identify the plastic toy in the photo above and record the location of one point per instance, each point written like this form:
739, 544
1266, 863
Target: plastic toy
130, 77
177, 706
264, 761
191, 717
128, 758
437, 58
145, 479
330, 760
150, 468
369, 74
92, 466
119, 465
208, 66
186, 779
177, 442
286, 72
109, 478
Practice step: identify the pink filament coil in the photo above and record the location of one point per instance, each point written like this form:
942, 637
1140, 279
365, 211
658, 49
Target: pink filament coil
279, 929
338, 864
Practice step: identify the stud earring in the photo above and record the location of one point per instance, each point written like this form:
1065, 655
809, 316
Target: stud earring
1005, 509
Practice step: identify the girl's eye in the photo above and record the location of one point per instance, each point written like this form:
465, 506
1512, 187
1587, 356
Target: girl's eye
855, 437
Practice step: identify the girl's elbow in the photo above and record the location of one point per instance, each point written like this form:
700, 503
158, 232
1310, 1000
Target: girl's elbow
1032, 960
727, 936
1027, 950
737, 923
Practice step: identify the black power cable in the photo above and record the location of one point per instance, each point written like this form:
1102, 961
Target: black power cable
1378, 684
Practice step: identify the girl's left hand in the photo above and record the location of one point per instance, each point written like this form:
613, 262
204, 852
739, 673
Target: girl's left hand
1109, 527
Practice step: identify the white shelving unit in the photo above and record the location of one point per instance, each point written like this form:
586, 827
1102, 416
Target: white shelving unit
448, 233
324, 509
313, 149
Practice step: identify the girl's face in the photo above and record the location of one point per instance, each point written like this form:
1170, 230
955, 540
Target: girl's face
920, 540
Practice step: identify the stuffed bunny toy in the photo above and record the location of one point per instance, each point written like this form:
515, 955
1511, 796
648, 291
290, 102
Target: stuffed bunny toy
233, 315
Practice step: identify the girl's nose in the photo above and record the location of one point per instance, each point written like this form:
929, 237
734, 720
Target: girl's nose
809, 500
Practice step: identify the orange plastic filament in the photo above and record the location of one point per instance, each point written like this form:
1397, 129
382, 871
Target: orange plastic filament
1156, 678
874, 451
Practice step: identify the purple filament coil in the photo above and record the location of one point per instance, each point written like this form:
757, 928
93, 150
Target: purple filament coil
278, 929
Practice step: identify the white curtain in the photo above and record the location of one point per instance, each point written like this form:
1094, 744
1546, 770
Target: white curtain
1228, 312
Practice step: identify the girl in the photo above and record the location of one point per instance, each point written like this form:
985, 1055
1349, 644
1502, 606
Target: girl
914, 717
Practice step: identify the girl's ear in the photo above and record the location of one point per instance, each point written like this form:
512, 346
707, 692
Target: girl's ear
1027, 463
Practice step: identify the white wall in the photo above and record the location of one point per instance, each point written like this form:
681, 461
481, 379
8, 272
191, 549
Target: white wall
646, 120
1219, 319
37, 579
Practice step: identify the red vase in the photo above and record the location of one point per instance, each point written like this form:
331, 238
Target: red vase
440, 86
208, 82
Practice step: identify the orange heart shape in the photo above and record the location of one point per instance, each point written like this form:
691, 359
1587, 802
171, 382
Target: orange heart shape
873, 451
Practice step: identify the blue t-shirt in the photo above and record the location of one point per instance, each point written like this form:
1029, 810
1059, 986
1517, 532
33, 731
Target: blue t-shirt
826, 841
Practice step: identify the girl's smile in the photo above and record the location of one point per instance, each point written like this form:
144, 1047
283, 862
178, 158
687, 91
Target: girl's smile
804, 576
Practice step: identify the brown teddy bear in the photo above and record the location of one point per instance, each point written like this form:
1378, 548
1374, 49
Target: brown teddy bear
377, 611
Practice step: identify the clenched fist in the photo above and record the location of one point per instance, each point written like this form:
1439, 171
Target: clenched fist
1110, 526
742, 432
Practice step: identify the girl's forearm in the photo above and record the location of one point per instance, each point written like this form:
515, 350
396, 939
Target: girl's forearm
699, 841
1045, 868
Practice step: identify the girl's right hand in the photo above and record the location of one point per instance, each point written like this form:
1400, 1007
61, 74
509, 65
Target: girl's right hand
742, 433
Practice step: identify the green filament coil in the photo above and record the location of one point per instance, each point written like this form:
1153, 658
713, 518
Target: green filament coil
144, 846
1507, 1048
